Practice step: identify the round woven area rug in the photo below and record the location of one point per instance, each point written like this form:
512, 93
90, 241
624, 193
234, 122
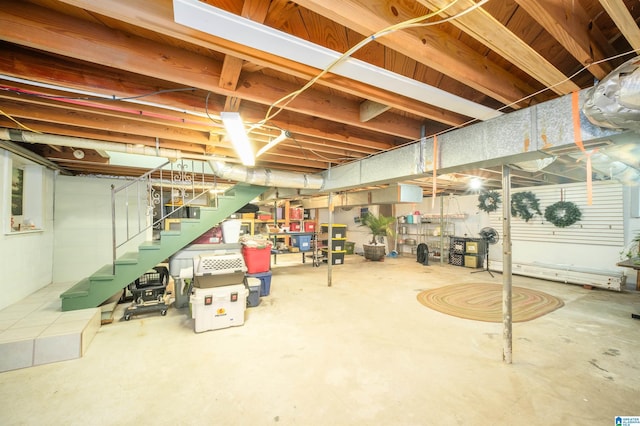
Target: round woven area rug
483, 302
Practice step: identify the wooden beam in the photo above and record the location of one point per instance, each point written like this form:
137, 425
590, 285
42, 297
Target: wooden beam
483, 27
232, 66
24, 24
618, 11
370, 110
101, 122
429, 46
157, 15
568, 23
58, 72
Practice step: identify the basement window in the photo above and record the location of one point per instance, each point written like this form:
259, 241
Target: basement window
22, 184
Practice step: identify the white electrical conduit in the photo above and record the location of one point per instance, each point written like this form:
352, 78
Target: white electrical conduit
221, 168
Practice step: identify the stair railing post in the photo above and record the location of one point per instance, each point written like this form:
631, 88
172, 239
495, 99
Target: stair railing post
113, 227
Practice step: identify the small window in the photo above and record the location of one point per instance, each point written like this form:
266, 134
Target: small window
23, 189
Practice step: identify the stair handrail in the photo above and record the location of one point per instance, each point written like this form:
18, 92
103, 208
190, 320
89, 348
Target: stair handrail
181, 189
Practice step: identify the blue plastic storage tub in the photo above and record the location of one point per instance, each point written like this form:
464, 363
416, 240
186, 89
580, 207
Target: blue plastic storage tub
265, 282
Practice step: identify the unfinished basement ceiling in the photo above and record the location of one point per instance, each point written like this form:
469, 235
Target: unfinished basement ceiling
168, 83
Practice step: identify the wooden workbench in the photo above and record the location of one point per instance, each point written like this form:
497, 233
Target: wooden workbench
633, 263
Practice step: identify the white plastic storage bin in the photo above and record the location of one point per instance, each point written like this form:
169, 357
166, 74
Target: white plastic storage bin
219, 307
231, 231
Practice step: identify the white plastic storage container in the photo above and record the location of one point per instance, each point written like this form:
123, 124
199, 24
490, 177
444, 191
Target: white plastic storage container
231, 231
218, 307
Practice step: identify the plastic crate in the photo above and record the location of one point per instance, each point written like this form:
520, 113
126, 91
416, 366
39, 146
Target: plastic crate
294, 227
257, 259
336, 244
350, 247
456, 259
253, 299
337, 230
303, 242
212, 264
309, 227
265, 282
337, 257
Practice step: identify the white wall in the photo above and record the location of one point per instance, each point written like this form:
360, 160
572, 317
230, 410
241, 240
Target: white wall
586, 255
83, 228
26, 258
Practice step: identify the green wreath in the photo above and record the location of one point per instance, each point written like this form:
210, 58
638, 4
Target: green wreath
489, 201
525, 205
563, 214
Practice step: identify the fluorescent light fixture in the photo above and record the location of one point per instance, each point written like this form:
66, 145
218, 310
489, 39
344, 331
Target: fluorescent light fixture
282, 136
238, 135
220, 23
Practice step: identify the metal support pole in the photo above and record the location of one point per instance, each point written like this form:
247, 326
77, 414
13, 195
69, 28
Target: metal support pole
329, 242
506, 261
442, 230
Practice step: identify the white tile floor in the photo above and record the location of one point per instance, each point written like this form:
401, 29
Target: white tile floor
35, 331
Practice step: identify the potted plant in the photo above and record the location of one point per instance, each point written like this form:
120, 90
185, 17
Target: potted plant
379, 226
632, 250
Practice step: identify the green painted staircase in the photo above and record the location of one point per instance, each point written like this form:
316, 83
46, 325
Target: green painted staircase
104, 283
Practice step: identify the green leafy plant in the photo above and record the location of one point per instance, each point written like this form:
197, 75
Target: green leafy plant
379, 226
631, 250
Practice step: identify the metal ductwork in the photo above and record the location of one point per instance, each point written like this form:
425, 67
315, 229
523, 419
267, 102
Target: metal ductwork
615, 101
82, 143
222, 169
265, 177
612, 169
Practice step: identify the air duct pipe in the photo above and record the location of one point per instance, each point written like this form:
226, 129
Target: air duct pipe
265, 177
82, 143
615, 170
220, 168
615, 101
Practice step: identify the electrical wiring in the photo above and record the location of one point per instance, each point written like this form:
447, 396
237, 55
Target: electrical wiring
402, 25
19, 123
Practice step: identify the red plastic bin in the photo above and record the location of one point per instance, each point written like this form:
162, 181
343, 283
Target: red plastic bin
257, 259
309, 227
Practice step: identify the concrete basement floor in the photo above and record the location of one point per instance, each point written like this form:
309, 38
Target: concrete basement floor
363, 352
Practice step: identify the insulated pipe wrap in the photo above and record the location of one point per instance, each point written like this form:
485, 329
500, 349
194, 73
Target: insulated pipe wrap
615, 101
266, 177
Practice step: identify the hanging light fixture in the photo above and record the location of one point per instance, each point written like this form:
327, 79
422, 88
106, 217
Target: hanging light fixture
475, 184
236, 132
284, 134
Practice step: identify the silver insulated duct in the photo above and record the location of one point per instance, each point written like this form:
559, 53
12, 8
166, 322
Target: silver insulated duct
256, 176
615, 101
265, 177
